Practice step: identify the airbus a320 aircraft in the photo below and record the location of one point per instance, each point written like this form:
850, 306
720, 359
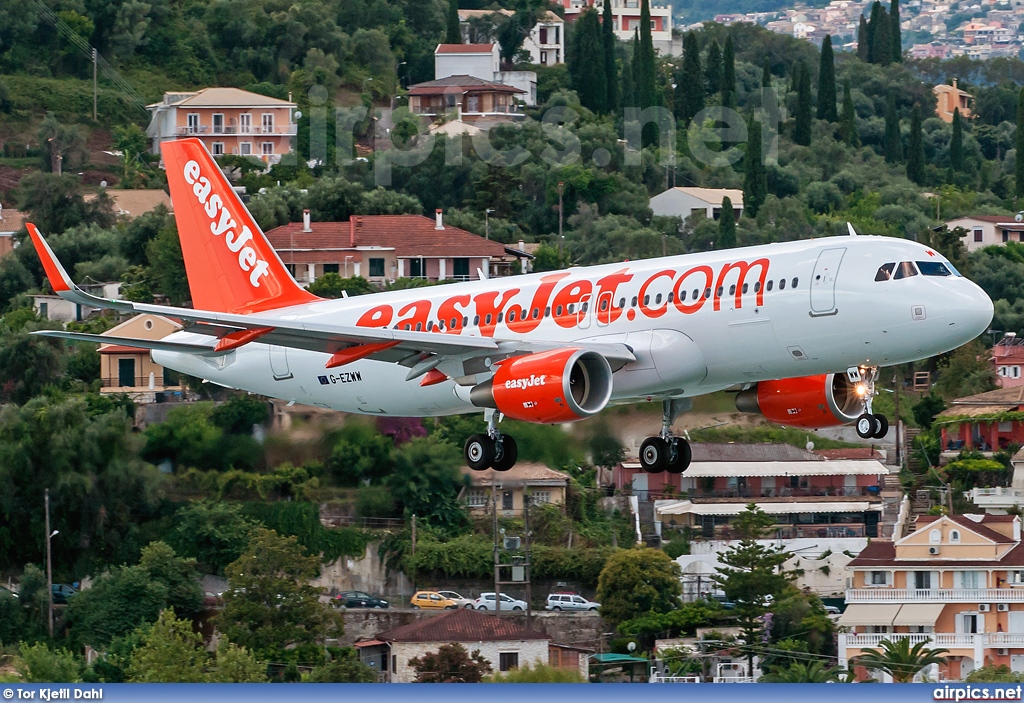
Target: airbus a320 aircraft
798, 328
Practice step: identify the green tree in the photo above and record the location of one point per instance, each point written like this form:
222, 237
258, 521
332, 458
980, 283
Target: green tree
966, 371
611, 73
876, 8
63, 146
689, 91
827, 83
729, 74
38, 663
1018, 139
344, 667
588, 67
766, 73
893, 147
453, 34
55, 204
802, 124
994, 674
361, 453
627, 86
270, 605
170, 653
755, 176
646, 86
12, 619
166, 268
426, 481
332, 285
177, 574
726, 226
895, 32
806, 672
236, 664
681, 622
451, 663
118, 602
901, 660
862, 39
926, 409
133, 143
712, 69
213, 533
915, 148
240, 413
636, 582
537, 673
956, 143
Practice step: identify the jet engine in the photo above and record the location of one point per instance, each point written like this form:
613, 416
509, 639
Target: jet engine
807, 401
562, 385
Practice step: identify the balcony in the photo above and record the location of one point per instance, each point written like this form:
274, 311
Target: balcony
207, 131
935, 595
936, 639
997, 497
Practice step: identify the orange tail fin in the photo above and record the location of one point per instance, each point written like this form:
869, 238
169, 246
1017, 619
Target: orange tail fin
231, 265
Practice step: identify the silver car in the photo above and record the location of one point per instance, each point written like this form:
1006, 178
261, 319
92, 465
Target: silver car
460, 601
486, 602
570, 601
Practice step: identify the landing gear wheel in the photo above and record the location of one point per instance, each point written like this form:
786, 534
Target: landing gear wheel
479, 451
679, 455
505, 453
865, 426
653, 455
881, 426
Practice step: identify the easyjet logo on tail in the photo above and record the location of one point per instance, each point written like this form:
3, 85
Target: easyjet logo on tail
222, 223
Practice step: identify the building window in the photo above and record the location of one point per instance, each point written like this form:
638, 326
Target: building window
969, 579
332, 268
193, 123
978, 234
245, 123
268, 122
44, 309
476, 498
954, 536
218, 123
879, 578
217, 148
508, 661
460, 267
268, 148
1006, 235
126, 373
935, 536
376, 268
245, 148
540, 497
923, 580
544, 57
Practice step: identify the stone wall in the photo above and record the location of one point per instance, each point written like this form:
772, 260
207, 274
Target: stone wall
365, 574
529, 651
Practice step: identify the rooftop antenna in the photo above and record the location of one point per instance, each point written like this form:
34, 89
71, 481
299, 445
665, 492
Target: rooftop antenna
853, 232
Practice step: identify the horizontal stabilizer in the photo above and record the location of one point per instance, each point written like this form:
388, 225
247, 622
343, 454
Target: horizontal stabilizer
158, 344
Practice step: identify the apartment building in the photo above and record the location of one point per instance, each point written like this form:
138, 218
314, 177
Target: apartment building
545, 44
626, 15
956, 582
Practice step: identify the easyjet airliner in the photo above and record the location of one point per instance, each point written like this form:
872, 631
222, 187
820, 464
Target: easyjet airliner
798, 328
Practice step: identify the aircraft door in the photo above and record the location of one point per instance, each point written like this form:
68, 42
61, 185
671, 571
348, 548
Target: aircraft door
823, 282
584, 312
279, 363
603, 309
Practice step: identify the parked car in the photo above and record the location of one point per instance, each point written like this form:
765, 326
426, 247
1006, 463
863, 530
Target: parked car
832, 610
570, 601
486, 602
460, 601
359, 599
4, 589
431, 600
61, 593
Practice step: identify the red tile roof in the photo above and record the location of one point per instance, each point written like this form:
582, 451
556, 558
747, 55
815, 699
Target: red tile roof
850, 453
407, 235
461, 84
883, 554
976, 527
464, 48
462, 625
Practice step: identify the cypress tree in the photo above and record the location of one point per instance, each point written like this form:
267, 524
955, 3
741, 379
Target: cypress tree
588, 56
893, 145
636, 67
453, 34
896, 34
627, 91
827, 83
869, 35
646, 89
1019, 143
729, 74
726, 226
713, 69
915, 149
611, 72
689, 85
956, 142
766, 73
802, 128
755, 177
862, 39
881, 42
848, 122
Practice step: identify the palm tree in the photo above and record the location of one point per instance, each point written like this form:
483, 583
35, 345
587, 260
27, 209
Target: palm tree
806, 672
901, 660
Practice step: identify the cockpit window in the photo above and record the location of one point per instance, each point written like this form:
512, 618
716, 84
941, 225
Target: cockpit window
933, 268
884, 272
906, 269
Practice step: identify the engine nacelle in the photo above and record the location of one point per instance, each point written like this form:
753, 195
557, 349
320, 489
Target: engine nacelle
826, 400
562, 385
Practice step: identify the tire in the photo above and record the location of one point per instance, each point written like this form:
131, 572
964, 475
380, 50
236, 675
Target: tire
865, 426
482, 607
516, 607
415, 607
683, 455
479, 452
557, 608
468, 606
593, 610
881, 426
505, 457
653, 453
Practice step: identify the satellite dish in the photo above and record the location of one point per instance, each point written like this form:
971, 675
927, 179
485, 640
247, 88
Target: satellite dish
810, 446
1019, 217
631, 647
103, 184
298, 114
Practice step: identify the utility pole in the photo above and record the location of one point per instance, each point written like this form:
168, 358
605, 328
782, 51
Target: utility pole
94, 85
49, 571
526, 529
487, 222
414, 552
561, 185
497, 554
896, 402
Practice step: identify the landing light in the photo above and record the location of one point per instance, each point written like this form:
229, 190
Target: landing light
862, 390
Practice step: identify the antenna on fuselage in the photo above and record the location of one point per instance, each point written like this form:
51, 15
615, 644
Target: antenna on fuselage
853, 232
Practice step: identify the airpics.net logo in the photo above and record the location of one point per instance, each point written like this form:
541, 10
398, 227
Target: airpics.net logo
520, 383
977, 693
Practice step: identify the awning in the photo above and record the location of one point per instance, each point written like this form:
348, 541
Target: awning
919, 614
873, 614
685, 507
838, 467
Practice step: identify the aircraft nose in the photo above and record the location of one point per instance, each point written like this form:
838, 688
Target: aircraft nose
975, 310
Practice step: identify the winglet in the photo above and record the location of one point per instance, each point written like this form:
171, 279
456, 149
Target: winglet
59, 279
853, 232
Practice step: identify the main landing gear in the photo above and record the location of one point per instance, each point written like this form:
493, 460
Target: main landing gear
666, 452
492, 450
868, 424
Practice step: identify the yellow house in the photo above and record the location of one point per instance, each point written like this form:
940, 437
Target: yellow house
125, 369
545, 487
956, 582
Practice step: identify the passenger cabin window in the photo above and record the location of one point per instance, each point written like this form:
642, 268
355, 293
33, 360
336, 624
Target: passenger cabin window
885, 272
933, 268
906, 269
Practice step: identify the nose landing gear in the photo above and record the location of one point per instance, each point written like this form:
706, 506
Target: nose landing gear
492, 450
869, 425
667, 452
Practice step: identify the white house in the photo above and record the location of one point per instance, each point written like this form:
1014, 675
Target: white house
626, 19
986, 230
482, 61
683, 202
545, 43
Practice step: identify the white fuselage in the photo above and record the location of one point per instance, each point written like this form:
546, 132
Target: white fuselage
690, 323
